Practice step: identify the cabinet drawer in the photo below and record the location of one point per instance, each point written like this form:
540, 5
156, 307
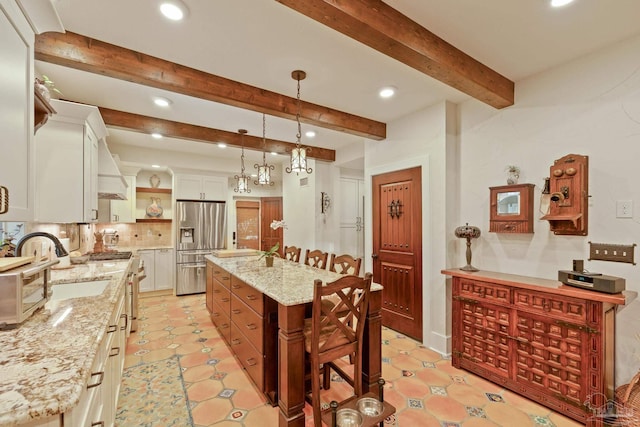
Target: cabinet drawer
550, 304
248, 322
248, 295
221, 275
485, 291
222, 297
509, 227
222, 321
248, 356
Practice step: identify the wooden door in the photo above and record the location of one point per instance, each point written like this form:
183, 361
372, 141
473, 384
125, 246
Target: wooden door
271, 209
397, 248
248, 225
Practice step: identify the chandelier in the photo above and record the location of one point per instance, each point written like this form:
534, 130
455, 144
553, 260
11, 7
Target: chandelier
264, 170
242, 180
299, 154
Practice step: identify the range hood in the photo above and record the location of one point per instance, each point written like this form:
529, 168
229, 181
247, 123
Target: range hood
111, 183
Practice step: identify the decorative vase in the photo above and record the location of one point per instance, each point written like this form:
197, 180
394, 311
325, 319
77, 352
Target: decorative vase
154, 210
43, 90
269, 261
512, 177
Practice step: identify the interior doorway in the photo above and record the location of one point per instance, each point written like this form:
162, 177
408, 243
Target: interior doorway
397, 248
247, 225
271, 210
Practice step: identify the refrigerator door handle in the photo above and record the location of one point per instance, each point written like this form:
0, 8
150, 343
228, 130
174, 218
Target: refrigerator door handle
192, 266
205, 252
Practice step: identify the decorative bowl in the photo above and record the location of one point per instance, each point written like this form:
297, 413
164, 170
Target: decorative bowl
370, 406
348, 418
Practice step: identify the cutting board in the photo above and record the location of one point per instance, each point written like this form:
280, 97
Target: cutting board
227, 253
8, 263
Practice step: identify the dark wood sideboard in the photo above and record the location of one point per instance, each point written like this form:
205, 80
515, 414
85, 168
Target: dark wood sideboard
549, 342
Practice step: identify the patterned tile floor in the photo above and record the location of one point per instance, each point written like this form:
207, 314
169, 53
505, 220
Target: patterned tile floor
423, 386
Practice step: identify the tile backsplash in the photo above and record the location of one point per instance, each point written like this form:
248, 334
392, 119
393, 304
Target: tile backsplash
143, 234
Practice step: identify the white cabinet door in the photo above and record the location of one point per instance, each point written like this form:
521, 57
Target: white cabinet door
147, 257
66, 153
165, 269
188, 187
90, 175
16, 113
201, 187
352, 216
214, 188
125, 210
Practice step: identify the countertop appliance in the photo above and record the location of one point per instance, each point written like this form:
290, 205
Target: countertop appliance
23, 290
593, 281
200, 228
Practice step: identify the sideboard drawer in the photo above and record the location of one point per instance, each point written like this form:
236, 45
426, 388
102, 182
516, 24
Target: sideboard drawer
248, 322
222, 297
222, 321
221, 275
485, 291
551, 304
248, 295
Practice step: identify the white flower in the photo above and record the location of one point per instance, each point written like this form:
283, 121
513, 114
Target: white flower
277, 224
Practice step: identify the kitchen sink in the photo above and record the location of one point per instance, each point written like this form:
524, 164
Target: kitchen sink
78, 289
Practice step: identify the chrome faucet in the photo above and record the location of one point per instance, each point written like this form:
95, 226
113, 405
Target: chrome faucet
60, 250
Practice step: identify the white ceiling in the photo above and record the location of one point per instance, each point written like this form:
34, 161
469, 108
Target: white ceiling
259, 42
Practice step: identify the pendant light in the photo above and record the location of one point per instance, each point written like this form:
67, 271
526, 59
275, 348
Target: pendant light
299, 154
242, 180
264, 170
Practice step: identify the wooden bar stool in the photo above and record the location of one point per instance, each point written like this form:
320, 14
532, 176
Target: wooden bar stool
316, 258
329, 337
292, 253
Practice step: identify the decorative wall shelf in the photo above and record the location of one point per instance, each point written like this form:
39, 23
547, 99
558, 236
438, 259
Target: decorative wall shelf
42, 110
153, 190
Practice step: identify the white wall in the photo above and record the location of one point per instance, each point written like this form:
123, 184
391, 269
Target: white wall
591, 107
421, 139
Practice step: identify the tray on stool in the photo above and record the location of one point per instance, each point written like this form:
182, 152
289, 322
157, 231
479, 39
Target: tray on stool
328, 415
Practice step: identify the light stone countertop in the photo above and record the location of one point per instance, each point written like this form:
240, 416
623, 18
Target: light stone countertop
45, 363
288, 283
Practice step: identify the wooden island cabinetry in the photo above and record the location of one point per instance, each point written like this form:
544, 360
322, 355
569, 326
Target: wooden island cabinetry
550, 342
247, 320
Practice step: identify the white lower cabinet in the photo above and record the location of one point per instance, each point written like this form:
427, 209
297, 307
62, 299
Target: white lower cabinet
99, 400
159, 267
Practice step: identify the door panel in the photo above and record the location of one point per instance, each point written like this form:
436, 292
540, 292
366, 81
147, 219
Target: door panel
271, 210
248, 225
397, 248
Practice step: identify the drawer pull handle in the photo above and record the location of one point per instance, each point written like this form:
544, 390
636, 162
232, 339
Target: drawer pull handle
251, 361
216, 314
97, 383
112, 329
236, 342
251, 326
225, 278
236, 286
112, 353
225, 300
98, 423
126, 321
216, 291
251, 297
236, 311
224, 326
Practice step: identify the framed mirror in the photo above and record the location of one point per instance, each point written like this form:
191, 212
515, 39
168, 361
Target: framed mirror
511, 209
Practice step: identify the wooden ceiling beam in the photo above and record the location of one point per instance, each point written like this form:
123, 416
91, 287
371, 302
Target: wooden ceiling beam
379, 26
168, 128
94, 56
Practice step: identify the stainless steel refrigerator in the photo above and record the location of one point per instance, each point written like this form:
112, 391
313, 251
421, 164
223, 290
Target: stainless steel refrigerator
200, 228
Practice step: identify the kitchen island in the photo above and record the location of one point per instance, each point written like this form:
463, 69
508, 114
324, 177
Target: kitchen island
47, 362
260, 312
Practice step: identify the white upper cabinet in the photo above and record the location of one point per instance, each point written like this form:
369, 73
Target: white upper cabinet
67, 164
17, 35
200, 187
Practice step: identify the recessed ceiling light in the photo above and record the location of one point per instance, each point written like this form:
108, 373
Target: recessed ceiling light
254, 175
273, 153
156, 135
387, 92
155, 166
560, 3
222, 145
310, 133
174, 10
161, 102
